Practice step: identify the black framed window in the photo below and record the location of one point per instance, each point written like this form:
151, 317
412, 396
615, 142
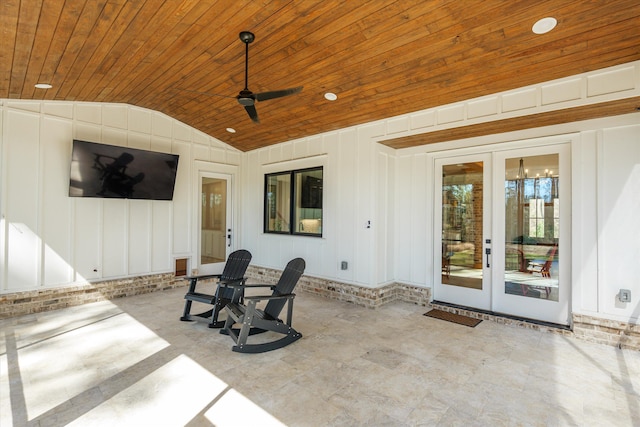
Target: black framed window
293, 202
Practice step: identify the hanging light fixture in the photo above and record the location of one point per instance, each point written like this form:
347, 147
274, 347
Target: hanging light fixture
520, 223
521, 169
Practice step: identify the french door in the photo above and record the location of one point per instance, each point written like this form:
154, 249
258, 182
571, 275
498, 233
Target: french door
501, 228
463, 230
532, 233
215, 222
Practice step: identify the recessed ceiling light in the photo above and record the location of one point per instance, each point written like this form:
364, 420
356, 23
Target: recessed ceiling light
231, 130
330, 96
43, 86
544, 25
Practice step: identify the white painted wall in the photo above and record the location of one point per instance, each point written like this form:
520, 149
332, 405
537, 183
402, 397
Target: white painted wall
618, 230
48, 239
606, 223
357, 175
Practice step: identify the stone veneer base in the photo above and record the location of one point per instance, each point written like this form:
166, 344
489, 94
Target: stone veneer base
588, 328
37, 301
358, 295
605, 331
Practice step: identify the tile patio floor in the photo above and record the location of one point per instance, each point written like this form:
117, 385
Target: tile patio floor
131, 362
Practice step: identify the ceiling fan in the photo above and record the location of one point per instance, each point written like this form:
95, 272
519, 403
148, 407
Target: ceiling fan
246, 98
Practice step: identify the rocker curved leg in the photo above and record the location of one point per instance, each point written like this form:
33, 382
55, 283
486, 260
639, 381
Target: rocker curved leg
291, 337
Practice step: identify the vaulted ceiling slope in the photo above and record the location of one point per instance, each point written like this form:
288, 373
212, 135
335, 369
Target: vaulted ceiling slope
381, 57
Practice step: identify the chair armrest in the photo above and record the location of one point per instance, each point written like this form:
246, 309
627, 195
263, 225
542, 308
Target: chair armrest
233, 282
193, 280
269, 297
246, 286
253, 285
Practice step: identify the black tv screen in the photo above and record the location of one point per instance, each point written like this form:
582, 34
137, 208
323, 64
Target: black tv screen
109, 171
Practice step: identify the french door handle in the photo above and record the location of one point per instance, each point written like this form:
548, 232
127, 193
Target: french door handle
487, 251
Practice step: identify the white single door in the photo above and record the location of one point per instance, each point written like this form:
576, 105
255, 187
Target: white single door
462, 220
532, 233
216, 231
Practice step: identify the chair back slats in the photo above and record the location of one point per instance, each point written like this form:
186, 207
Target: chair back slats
546, 268
236, 265
288, 280
234, 270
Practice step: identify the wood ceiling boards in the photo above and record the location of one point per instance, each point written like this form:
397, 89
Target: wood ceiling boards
382, 58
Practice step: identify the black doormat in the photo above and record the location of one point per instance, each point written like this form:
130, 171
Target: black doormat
454, 318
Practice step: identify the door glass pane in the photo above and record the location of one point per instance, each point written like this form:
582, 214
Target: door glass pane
532, 221
462, 197
214, 220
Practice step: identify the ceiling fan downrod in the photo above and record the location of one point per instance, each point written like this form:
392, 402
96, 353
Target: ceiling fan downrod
246, 37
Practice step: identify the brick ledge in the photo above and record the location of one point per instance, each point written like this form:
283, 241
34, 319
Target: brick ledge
358, 295
47, 299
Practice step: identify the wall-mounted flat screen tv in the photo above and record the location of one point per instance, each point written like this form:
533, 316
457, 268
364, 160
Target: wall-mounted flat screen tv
109, 171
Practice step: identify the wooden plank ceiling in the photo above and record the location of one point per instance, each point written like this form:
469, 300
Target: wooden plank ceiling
381, 57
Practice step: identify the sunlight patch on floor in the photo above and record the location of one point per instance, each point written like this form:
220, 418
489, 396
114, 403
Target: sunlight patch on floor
98, 365
6, 414
233, 409
171, 395
56, 369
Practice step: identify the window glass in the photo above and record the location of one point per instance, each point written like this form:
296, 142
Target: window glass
293, 202
308, 211
278, 203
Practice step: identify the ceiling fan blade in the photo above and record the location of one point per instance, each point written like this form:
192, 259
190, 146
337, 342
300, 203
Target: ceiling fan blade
253, 113
277, 93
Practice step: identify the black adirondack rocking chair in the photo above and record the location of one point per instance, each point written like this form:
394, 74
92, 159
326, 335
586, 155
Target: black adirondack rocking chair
255, 321
233, 273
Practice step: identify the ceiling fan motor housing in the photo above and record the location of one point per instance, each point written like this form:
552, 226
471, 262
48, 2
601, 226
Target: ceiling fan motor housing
246, 97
